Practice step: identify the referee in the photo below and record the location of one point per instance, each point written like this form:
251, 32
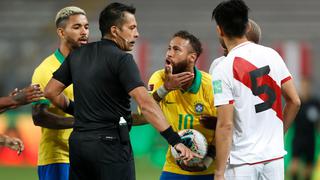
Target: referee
104, 77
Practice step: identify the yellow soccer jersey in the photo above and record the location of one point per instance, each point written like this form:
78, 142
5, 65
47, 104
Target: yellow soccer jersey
183, 110
54, 146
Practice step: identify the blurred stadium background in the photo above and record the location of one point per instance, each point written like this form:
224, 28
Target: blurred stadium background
28, 36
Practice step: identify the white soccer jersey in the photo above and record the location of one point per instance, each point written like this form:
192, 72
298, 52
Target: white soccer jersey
250, 77
215, 63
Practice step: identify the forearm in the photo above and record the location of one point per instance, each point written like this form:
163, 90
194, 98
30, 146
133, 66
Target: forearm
138, 119
6, 102
56, 122
223, 135
153, 114
43, 118
289, 113
3, 139
223, 146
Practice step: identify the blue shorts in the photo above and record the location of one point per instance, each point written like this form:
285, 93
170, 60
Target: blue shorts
58, 171
172, 176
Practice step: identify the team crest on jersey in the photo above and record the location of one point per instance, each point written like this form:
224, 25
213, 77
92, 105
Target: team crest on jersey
198, 107
217, 87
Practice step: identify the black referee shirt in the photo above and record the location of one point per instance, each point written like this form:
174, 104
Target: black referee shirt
102, 76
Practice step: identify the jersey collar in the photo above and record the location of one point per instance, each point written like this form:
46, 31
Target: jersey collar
194, 88
59, 56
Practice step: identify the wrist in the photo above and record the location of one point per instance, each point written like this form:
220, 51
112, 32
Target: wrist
219, 172
162, 91
70, 108
171, 136
3, 140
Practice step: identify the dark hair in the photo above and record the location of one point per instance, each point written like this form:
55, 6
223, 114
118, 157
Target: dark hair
232, 17
194, 41
113, 15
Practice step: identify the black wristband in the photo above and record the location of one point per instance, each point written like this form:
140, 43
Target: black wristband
171, 136
70, 108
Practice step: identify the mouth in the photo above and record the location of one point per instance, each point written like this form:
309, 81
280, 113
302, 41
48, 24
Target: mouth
132, 43
83, 40
168, 62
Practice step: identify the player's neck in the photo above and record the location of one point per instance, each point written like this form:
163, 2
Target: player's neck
64, 49
231, 43
189, 84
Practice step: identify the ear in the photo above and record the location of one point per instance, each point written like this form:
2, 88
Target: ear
192, 57
60, 32
113, 31
219, 31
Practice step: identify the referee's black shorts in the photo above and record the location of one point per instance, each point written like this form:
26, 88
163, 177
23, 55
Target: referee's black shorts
304, 148
100, 156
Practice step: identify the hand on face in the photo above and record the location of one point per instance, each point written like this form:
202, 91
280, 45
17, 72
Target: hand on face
176, 81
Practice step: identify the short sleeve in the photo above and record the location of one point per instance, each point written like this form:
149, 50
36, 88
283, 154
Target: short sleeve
155, 81
284, 73
63, 74
222, 85
129, 74
41, 76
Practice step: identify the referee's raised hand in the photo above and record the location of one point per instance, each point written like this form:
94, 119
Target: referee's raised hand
176, 81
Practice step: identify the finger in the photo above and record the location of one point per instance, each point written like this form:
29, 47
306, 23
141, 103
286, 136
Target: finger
183, 74
168, 69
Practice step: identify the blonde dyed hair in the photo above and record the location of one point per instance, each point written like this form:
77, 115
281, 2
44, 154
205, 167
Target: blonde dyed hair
65, 13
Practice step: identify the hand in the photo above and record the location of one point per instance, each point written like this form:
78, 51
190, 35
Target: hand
14, 92
208, 122
196, 168
27, 95
176, 81
14, 144
185, 153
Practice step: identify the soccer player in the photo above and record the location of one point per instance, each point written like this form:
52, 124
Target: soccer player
105, 76
248, 86
184, 94
53, 161
253, 35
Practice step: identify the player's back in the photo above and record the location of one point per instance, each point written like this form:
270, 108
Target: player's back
257, 72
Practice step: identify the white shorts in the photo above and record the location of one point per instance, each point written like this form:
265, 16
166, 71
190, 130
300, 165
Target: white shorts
272, 170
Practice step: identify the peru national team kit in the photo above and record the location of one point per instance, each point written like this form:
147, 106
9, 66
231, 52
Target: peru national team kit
250, 78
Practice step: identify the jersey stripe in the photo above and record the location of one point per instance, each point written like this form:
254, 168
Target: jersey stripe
241, 70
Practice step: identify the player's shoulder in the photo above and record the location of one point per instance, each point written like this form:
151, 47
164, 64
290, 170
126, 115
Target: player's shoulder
47, 63
206, 77
159, 73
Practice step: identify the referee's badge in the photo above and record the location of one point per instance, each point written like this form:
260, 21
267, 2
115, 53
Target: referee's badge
198, 107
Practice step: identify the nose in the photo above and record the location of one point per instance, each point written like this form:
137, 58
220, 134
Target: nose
169, 53
84, 31
136, 34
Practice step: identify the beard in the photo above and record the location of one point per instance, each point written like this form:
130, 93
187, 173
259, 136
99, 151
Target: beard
180, 67
72, 43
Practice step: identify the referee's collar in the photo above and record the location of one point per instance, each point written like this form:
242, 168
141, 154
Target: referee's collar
59, 56
194, 88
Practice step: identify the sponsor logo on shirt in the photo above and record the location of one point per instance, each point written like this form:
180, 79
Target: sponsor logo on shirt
217, 87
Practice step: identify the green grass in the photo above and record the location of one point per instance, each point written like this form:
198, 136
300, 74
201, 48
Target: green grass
145, 170
18, 173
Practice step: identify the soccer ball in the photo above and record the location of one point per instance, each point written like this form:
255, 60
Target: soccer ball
196, 142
